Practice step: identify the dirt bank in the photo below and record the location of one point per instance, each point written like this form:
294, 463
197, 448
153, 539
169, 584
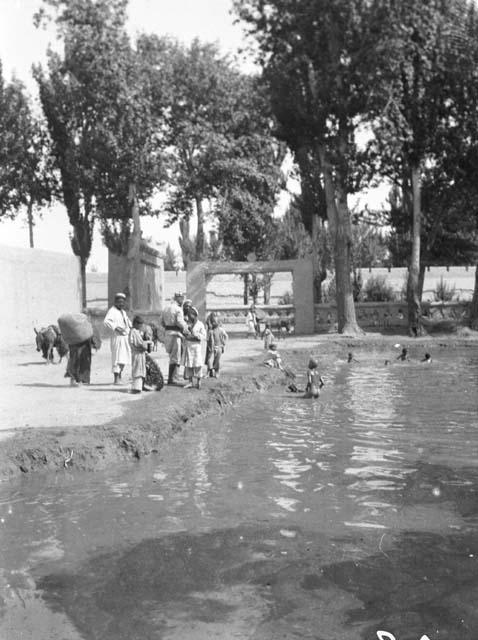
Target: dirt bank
138, 432
48, 426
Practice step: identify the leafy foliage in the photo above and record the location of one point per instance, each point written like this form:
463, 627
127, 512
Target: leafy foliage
216, 130
377, 289
170, 259
96, 102
320, 61
26, 176
444, 292
426, 45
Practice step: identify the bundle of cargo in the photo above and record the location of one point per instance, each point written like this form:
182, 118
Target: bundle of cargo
75, 328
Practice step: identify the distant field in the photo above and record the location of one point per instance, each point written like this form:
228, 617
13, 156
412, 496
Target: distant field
226, 290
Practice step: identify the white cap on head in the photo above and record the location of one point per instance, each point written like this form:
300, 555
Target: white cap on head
120, 295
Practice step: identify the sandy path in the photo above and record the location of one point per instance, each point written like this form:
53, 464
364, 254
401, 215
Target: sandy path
34, 394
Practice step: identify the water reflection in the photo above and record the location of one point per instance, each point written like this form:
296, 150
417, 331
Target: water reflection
286, 487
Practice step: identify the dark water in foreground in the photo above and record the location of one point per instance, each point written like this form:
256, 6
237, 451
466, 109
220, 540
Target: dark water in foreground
284, 519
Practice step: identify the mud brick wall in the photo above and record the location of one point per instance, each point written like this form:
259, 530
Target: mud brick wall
37, 286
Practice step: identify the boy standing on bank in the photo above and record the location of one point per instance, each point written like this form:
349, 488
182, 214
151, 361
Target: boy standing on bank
139, 347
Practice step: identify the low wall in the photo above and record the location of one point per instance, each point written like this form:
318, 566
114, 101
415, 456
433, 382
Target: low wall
37, 287
383, 316
235, 318
371, 316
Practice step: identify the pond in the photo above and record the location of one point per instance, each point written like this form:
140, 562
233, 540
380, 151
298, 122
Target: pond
284, 518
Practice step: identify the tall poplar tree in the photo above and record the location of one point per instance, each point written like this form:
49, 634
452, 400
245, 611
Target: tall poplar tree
320, 61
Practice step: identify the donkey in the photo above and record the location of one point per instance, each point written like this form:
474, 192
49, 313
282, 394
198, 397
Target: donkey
49, 338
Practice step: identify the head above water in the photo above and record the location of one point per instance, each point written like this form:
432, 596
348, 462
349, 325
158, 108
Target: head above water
313, 363
273, 346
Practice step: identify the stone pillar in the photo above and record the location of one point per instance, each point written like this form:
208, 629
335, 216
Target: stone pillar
142, 281
303, 290
149, 280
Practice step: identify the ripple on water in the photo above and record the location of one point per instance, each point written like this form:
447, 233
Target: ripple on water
370, 484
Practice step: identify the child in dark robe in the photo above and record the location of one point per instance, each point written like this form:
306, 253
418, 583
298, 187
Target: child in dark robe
215, 345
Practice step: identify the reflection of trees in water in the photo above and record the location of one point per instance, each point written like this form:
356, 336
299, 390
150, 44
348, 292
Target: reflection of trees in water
200, 479
299, 450
376, 462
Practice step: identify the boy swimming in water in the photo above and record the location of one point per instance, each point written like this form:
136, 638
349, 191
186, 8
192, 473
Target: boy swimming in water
314, 379
273, 358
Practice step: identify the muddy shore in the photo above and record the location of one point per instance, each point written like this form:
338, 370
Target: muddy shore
47, 428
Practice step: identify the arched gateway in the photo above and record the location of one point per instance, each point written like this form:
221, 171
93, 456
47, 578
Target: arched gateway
199, 273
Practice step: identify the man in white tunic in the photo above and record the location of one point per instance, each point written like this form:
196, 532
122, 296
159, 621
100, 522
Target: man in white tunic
119, 325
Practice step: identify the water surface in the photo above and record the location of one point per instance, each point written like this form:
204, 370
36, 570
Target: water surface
285, 518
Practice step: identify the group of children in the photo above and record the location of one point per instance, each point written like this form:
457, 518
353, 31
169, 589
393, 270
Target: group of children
314, 379
274, 360
146, 373
403, 356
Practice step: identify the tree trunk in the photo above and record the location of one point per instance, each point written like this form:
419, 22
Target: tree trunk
83, 262
339, 219
413, 298
312, 213
347, 322
134, 251
246, 288
253, 287
474, 305
267, 278
185, 241
315, 259
421, 281
200, 237
30, 221
81, 241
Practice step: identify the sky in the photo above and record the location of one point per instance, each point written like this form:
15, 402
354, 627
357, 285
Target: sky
22, 45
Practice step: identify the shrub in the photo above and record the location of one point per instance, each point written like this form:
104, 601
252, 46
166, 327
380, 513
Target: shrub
402, 296
329, 290
443, 291
287, 298
376, 289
